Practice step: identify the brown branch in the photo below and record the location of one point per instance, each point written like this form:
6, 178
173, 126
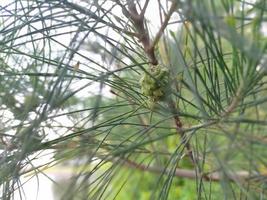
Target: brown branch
180, 131
138, 21
238, 176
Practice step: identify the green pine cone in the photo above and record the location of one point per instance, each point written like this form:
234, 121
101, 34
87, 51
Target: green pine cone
155, 83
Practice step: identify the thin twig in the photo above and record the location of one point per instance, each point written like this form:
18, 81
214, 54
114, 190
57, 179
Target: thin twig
144, 9
235, 101
165, 23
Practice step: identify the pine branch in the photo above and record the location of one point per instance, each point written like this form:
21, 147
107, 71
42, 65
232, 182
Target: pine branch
238, 176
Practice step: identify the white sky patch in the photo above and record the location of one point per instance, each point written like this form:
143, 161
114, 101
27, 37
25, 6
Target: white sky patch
264, 28
37, 188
